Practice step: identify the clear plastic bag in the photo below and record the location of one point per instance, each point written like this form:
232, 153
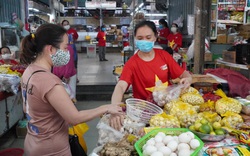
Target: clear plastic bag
9, 83
163, 95
107, 133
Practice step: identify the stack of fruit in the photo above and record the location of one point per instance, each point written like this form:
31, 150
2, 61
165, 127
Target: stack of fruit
208, 131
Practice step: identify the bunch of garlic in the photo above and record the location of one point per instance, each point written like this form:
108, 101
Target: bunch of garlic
166, 145
168, 121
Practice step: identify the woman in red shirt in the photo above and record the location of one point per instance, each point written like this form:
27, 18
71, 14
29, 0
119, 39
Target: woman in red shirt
163, 33
175, 38
6, 56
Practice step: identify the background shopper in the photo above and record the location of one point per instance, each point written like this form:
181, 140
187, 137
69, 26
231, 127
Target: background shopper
101, 37
163, 34
175, 38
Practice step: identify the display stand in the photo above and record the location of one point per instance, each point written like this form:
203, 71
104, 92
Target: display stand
11, 110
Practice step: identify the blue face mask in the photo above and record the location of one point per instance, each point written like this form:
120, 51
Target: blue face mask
144, 46
161, 26
103, 29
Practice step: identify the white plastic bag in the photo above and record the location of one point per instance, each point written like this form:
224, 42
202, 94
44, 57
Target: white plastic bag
9, 83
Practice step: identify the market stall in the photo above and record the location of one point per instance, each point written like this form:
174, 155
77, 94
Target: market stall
201, 120
11, 109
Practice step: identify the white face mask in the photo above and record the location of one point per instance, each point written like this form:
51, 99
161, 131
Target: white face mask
66, 27
6, 56
174, 29
61, 58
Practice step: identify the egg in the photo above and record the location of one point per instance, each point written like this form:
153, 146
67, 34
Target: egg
159, 144
144, 146
190, 134
151, 141
173, 145
167, 138
157, 153
183, 146
145, 153
184, 152
173, 154
150, 149
184, 138
161, 134
166, 151
194, 143
158, 138
176, 138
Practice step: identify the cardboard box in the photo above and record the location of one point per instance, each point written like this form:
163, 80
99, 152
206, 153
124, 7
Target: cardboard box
244, 28
208, 57
229, 56
245, 35
221, 38
21, 132
221, 31
230, 38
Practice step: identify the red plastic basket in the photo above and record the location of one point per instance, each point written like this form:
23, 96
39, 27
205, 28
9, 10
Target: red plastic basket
12, 152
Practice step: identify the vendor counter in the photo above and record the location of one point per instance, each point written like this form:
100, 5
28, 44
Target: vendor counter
11, 110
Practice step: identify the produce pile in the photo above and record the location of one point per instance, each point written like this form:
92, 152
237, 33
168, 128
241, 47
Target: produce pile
10, 77
210, 117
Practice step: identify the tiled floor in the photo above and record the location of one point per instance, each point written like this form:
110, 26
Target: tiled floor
90, 71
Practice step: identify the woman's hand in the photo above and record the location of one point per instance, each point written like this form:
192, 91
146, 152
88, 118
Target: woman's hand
116, 121
186, 81
114, 109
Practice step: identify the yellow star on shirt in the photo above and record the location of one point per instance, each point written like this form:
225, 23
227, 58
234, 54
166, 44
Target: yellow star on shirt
172, 43
151, 89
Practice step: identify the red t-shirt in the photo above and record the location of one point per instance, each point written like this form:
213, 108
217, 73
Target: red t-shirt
74, 33
101, 38
163, 33
141, 74
175, 39
12, 62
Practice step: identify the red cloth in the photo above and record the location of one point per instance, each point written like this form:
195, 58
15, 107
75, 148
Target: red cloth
239, 85
163, 33
175, 39
12, 62
101, 38
67, 70
74, 33
141, 74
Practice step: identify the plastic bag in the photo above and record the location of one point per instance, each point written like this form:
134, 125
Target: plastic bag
163, 94
107, 133
164, 121
68, 90
9, 83
231, 119
80, 130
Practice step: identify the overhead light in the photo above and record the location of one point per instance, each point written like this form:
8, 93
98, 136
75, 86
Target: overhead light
131, 14
136, 9
155, 14
141, 5
48, 14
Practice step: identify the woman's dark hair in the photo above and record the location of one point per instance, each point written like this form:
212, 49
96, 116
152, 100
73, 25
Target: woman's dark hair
4, 47
33, 44
65, 21
175, 25
163, 22
150, 24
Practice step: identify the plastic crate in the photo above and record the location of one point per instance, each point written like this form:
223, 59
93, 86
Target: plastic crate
168, 131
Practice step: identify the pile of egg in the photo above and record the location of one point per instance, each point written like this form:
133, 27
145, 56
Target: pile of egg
167, 145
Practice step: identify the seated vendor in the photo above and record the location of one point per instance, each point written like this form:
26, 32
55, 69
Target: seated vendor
6, 57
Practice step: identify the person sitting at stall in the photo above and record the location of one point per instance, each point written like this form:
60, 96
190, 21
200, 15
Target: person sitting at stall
163, 34
175, 38
142, 68
6, 57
